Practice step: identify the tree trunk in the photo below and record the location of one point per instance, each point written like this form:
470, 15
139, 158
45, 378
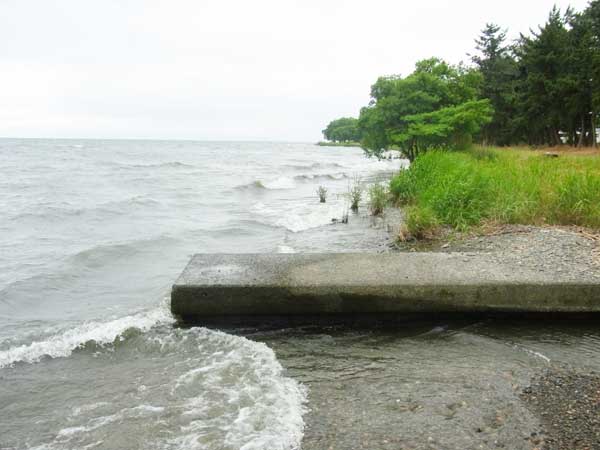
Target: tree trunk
582, 135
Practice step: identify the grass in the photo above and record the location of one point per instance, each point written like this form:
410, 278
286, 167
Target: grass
378, 198
504, 186
355, 192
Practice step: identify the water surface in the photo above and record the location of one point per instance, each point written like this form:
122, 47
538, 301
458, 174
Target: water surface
94, 232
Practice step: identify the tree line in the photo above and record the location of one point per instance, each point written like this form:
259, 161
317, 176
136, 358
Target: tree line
542, 89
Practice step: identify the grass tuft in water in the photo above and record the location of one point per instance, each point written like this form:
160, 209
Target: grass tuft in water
355, 192
378, 198
322, 193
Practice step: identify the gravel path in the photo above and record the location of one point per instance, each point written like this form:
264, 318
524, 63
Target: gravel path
572, 252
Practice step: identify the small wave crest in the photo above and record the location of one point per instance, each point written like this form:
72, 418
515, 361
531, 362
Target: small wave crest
313, 166
300, 217
321, 176
101, 333
162, 165
274, 184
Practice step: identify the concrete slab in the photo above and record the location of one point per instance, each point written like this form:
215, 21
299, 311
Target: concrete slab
344, 283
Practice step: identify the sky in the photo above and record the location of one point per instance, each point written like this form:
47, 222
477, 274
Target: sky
276, 70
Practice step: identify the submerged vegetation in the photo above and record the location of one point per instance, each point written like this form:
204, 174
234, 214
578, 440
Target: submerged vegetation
466, 189
378, 198
355, 193
322, 193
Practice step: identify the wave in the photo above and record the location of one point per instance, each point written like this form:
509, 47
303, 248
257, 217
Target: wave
322, 176
111, 208
285, 249
259, 408
285, 182
101, 254
163, 165
224, 392
300, 217
313, 166
101, 333
275, 184
76, 265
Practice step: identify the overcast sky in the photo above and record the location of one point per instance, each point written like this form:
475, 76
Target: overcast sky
221, 69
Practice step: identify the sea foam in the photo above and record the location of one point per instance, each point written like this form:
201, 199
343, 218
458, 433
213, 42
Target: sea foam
102, 333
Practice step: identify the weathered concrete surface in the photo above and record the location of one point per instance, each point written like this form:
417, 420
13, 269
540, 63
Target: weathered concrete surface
297, 284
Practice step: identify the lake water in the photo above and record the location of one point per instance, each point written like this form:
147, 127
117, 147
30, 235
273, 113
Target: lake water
93, 233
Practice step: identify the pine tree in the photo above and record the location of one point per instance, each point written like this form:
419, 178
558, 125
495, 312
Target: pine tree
545, 81
499, 69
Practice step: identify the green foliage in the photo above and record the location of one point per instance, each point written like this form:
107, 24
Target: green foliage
464, 189
452, 126
435, 105
499, 70
485, 153
378, 198
344, 129
542, 90
420, 222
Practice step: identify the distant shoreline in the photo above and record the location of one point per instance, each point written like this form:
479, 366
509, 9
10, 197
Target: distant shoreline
338, 144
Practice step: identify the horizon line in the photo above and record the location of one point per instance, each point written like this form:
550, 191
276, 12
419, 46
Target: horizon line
281, 141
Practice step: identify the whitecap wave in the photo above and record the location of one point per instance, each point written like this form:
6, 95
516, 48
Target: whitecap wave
102, 333
300, 217
264, 407
322, 176
308, 218
285, 249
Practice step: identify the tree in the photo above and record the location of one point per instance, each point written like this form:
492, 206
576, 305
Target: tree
499, 70
453, 126
546, 81
344, 129
591, 19
579, 104
436, 105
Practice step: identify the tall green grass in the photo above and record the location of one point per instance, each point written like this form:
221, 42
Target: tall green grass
464, 189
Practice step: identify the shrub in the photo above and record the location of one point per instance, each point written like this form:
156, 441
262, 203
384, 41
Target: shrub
420, 222
378, 197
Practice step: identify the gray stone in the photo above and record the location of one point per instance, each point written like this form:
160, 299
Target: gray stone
304, 284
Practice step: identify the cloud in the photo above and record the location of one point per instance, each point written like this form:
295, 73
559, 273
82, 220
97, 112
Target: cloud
220, 70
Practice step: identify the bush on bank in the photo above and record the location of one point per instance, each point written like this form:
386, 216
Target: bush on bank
465, 189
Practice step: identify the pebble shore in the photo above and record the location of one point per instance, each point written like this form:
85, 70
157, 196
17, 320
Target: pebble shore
568, 404
566, 400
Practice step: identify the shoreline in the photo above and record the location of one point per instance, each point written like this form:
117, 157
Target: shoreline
338, 144
564, 399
